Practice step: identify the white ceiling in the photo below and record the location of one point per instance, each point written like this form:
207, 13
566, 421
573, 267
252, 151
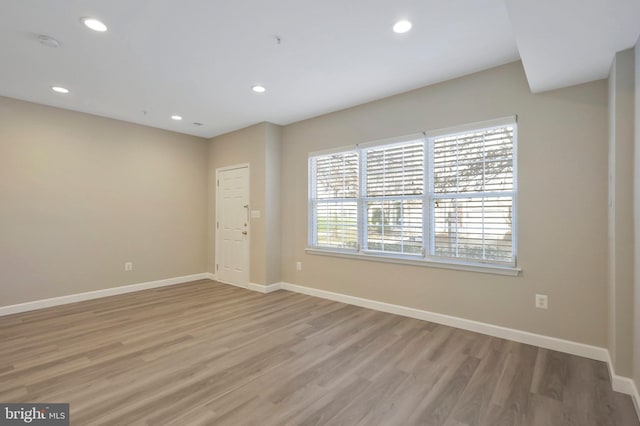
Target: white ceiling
198, 58
567, 42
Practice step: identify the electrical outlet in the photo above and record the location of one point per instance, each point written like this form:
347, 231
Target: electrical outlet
299, 266
128, 266
542, 301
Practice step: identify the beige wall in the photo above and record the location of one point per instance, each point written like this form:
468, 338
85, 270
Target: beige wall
274, 230
80, 195
562, 210
611, 246
620, 219
259, 147
636, 306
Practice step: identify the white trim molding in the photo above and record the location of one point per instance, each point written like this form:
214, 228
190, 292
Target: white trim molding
627, 386
624, 385
245, 286
554, 343
619, 383
261, 288
79, 297
356, 162
635, 396
427, 263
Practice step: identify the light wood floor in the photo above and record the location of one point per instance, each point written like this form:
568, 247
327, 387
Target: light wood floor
209, 353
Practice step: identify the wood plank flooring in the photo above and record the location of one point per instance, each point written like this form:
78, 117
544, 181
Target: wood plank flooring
208, 353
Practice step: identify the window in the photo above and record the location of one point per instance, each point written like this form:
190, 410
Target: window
446, 196
334, 195
472, 195
394, 197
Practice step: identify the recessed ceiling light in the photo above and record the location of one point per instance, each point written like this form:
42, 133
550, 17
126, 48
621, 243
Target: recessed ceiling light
59, 89
176, 117
258, 89
402, 27
94, 24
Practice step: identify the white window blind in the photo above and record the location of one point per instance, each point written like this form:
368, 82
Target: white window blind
334, 200
449, 197
394, 198
472, 195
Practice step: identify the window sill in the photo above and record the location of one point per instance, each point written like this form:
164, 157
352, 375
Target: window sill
460, 266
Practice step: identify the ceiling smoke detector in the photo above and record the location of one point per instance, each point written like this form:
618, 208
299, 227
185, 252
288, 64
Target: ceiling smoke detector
48, 41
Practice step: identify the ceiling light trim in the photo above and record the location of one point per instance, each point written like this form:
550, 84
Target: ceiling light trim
60, 89
402, 26
94, 24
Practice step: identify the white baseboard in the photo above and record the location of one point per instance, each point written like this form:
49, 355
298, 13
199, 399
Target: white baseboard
635, 396
539, 340
627, 386
619, 383
79, 297
624, 385
261, 288
230, 283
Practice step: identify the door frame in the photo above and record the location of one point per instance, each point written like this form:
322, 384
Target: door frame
217, 214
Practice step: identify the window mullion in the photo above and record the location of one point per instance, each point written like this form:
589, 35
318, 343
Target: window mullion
362, 210
313, 225
428, 231
484, 189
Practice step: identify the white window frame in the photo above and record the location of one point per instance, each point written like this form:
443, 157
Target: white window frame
364, 198
312, 213
425, 258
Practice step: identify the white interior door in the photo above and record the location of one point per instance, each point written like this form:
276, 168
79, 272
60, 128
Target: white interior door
232, 225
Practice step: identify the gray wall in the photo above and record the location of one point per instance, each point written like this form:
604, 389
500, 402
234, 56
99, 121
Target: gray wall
80, 195
562, 210
620, 219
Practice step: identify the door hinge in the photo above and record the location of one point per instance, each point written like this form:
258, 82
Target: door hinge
217, 225
218, 183
216, 266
